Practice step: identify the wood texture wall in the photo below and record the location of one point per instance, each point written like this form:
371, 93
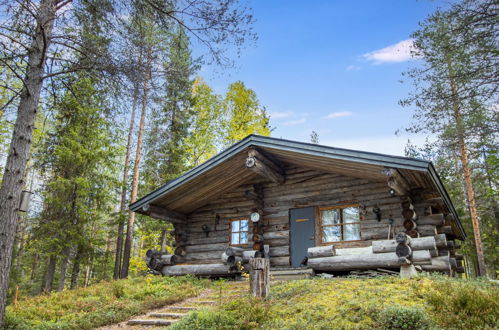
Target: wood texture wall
303, 188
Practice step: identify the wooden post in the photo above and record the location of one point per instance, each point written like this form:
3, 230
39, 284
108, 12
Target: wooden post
260, 277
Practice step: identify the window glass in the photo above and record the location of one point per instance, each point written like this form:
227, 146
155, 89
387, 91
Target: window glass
330, 217
350, 214
331, 234
243, 239
235, 238
351, 232
235, 226
340, 224
243, 225
239, 231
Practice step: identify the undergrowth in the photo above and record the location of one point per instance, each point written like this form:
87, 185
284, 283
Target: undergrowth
100, 304
356, 303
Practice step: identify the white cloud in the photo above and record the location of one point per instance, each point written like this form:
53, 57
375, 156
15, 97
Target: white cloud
352, 68
277, 115
400, 52
294, 122
339, 114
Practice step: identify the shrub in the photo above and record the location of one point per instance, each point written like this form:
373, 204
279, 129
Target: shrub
410, 318
465, 304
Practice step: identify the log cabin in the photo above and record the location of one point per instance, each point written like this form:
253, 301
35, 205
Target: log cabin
305, 206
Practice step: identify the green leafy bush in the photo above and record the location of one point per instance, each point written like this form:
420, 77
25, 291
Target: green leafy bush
409, 318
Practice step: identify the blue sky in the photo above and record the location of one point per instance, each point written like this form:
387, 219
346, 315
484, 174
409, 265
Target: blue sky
325, 66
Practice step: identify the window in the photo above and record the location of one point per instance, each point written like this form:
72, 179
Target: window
340, 223
239, 232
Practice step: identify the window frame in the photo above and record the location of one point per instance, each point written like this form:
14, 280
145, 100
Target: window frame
239, 232
341, 224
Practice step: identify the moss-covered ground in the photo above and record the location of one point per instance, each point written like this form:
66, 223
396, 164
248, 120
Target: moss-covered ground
360, 303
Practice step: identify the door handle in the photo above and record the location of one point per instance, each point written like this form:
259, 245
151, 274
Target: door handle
312, 237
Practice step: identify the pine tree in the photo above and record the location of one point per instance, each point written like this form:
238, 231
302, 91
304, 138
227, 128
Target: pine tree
454, 86
80, 160
166, 156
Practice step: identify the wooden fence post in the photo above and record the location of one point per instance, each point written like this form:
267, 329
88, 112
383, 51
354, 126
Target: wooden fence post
260, 277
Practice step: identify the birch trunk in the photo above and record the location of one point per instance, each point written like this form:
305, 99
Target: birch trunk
13, 177
121, 224
136, 169
463, 154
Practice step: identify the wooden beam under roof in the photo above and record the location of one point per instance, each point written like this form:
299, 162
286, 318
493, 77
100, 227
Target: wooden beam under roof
163, 214
263, 166
396, 181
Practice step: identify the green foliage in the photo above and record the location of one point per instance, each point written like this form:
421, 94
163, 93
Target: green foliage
396, 317
203, 140
100, 304
244, 113
465, 304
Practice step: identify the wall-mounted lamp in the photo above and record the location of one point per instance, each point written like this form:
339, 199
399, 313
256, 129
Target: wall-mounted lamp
25, 199
205, 229
392, 192
377, 211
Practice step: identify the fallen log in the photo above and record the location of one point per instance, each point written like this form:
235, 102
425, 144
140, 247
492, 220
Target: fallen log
354, 251
438, 264
198, 270
365, 261
422, 243
321, 251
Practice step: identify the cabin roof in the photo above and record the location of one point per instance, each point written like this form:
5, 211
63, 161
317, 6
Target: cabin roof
226, 171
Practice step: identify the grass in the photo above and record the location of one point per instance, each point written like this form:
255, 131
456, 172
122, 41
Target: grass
100, 304
355, 303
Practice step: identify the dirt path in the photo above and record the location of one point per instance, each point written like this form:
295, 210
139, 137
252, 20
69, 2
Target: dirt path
167, 315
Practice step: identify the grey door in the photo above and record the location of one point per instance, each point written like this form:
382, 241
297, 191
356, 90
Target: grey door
302, 233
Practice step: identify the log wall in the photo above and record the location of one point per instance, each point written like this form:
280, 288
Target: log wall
302, 188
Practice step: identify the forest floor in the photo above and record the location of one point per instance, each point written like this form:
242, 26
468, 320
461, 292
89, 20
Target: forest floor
385, 302
218, 294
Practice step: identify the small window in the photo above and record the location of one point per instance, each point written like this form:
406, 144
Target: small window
239, 232
340, 224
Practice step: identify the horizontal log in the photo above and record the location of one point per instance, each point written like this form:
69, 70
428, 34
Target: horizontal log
280, 251
363, 261
198, 270
276, 234
441, 240
234, 251
427, 230
433, 219
446, 230
354, 251
439, 264
321, 251
247, 255
279, 261
422, 243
